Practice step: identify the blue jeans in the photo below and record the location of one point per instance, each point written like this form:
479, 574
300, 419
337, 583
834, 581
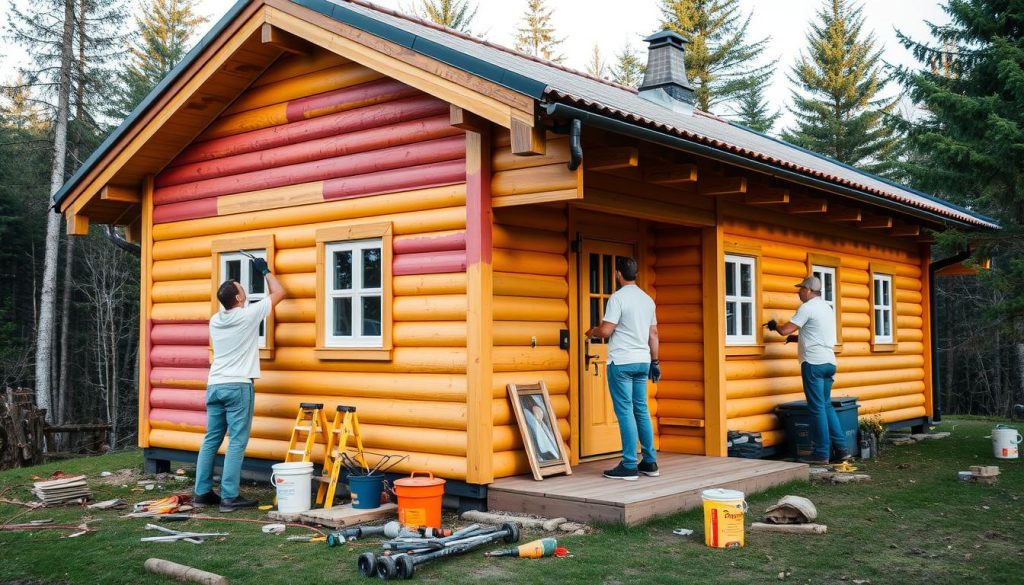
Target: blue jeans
229, 408
628, 386
826, 431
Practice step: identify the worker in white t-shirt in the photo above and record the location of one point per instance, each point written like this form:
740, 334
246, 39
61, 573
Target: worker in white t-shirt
234, 335
816, 322
630, 322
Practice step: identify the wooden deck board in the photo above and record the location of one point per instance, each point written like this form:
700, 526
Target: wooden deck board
587, 496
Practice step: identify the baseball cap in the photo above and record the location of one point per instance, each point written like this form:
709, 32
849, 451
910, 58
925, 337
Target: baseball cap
812, 283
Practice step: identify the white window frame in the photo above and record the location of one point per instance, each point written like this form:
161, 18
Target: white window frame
245, 279
356, 293
738, 299
820, 272
881, 311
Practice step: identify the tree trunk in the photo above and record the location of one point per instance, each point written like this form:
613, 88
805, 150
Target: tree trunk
47, 297
65, 320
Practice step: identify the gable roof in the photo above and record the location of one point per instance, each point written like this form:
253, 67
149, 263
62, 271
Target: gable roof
551, 83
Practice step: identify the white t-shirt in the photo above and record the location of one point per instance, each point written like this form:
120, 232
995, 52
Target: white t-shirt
817, 323
235, 336
632, 311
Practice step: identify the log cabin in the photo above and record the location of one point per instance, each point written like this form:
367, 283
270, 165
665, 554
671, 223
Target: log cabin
445, 213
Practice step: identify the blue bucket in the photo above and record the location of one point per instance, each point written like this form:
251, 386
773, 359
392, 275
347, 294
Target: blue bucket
366, 490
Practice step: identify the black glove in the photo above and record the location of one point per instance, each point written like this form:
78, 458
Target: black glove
792, 338
260, 265
772, 325
654, 374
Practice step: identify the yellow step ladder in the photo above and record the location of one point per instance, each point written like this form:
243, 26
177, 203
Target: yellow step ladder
345, 425
309, 422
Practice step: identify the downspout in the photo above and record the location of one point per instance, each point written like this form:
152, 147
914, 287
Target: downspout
934, 327
575, 146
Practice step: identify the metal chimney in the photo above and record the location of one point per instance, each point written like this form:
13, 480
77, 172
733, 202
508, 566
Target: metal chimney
665, 81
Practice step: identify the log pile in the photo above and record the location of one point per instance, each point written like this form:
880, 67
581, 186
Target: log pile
21, 429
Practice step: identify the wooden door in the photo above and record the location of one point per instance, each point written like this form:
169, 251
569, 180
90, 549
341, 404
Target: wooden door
599, 430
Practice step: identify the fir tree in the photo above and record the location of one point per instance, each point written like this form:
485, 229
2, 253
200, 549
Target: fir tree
721, 63
165, 28
454, 14
536, 35
628, 69
596, 66
837, 102
754, 112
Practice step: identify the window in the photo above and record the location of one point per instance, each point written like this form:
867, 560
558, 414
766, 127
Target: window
827, 276
237, 266
353, 311
740, 304
882, 309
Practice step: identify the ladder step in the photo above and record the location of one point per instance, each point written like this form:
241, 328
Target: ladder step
297, 451
304, 429
322, 478
311, 406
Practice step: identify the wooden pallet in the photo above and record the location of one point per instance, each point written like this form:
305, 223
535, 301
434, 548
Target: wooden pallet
339, 516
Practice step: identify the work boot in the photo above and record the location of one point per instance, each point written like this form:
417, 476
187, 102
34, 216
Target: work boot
238, 503
649, 469
812, 460
210, 498
840, 456
620, 472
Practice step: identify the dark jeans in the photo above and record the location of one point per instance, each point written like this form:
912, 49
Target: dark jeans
826, 432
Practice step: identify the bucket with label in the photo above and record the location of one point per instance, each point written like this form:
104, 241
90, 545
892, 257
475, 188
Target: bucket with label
1005, 442
293, 483
366, 490
723, 518
419, 499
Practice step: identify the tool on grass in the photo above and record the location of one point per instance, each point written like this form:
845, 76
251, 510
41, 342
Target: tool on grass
175, 535
404, 565
393, 529
535, 549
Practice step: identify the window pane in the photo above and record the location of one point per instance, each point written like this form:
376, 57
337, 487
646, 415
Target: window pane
886, 323
878, 292
827, 285
595, 273
343, 270
257, 284
371, 268
595, 312
747, 318
730, 278
234, 270
730, 318
885, 293
343, 317
746, 280
608, 272
371, 316
878, 321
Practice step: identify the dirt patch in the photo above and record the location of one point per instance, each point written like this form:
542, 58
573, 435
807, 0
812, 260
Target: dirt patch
128, 477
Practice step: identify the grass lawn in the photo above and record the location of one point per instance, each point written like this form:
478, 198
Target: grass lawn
914, 523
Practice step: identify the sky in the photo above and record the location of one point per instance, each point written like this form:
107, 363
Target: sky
583, 23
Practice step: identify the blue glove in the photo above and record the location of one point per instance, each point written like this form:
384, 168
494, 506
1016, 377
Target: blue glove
772, 325
654, 374
260, 265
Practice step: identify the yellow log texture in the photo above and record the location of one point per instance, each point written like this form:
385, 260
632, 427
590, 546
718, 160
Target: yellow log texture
679, 295
676, 257
430, 308
556, 177
303, 85
412, 413
668, 407
758, 423
681, 352
313, 386
681, 444
527, 262
681, 389
502, 411
557, 381
744, 389
520, 238
750, 369
678, 313
507, 308
181, 291
530, 285
528, 216
184, 269
195, 311
430, 284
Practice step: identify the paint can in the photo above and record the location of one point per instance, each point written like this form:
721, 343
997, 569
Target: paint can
293, 481
366, 490
1005, 441
419, 500
723, 518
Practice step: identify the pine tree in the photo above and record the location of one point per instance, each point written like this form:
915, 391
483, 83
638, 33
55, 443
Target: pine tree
454, 14
721, 63
165, 30
837, 103
754, 111
628, 69
536, 35
596, 66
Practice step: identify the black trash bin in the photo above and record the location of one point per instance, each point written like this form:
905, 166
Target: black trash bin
797, 422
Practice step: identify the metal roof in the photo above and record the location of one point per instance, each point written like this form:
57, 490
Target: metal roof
546, 81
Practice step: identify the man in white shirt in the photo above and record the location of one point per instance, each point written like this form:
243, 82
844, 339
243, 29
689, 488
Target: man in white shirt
630, 322
816, 322
234, 335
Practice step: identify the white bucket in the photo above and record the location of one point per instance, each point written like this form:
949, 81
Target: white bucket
293, 482
1005, 441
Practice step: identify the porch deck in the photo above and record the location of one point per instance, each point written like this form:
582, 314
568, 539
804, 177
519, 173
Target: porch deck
586, 496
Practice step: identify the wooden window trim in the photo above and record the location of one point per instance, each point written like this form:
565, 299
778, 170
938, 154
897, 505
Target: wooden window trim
751, 251
889, 270
384, 231
834, 262
740, 351
218, 247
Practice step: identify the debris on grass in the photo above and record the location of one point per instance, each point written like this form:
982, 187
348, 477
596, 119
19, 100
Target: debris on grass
62, 490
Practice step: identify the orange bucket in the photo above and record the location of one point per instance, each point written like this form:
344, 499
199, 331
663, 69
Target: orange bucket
419, 500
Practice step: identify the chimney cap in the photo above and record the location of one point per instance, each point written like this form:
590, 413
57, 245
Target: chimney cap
665, 37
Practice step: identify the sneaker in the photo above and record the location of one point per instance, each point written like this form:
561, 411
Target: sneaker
648, 469
840, 456
238, 503
620, 472
210, 498
812, 461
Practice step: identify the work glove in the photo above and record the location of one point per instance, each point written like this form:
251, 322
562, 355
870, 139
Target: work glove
654, 374
792, 338
260, 265
772, 325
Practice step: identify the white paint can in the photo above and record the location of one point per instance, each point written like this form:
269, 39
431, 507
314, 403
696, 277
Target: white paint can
1005, 441
293, 482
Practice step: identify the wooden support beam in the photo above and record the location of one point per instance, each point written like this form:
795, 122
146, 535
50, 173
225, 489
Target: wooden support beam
527, 139
670, 173
767, 196
843, 214
467, 121
629, 206
77, 224
905, 229
612, 158
808, 206
874, 222
133, 232
287, 42
722, 186
119, 194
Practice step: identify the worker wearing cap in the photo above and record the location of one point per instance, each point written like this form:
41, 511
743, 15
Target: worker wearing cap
816, 322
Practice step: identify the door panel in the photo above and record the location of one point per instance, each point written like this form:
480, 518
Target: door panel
599, 430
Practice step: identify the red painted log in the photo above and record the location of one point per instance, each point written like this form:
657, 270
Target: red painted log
180, 356
347, 98
435, 244
429, 263
185, 210
343, 166
167, 376
413, 177
178, 399
180, 334
179, 417
403, 133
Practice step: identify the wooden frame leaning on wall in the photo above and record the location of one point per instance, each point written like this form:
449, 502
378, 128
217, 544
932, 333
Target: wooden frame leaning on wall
538, 427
